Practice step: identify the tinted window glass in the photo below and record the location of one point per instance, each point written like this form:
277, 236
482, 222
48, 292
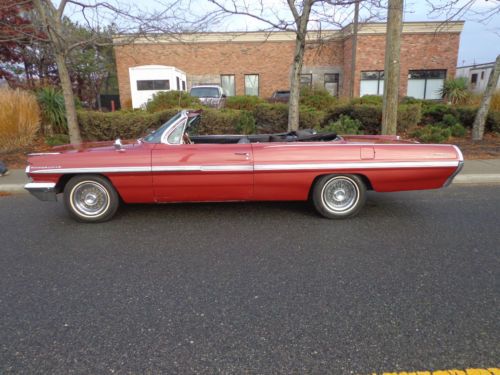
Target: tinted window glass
159, 84
425, 84
205, 92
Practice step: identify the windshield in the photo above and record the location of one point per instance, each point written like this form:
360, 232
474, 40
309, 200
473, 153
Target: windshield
155, 137
205, 92
282, 94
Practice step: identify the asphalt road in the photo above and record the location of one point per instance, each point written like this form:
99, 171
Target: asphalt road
410, 284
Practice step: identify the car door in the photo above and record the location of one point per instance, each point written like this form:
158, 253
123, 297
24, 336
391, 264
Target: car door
202, 172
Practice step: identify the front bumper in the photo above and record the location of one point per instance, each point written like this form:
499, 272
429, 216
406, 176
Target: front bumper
45, 191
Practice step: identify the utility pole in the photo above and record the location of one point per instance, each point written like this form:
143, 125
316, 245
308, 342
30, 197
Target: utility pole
354, 43
392, 66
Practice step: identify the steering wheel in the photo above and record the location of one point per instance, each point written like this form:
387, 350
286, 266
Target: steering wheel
186, 140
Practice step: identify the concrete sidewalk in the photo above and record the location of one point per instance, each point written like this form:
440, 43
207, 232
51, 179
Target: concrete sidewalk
474, 172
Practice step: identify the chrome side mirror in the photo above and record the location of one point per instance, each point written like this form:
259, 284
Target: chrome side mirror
118, 145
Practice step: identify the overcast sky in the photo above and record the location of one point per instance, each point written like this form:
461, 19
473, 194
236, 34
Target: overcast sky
479, 42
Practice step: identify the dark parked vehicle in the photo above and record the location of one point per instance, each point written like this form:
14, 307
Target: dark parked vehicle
280, 96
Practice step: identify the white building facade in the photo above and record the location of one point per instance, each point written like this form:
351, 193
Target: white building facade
147, 80
477, 76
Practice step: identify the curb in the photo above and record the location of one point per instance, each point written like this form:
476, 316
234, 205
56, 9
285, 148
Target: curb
477, 179
12, 188
459, 180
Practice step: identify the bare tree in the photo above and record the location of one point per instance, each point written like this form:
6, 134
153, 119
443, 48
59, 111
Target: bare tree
484, 107
53, 29
392, 67
354, 46
299, 16
483, 13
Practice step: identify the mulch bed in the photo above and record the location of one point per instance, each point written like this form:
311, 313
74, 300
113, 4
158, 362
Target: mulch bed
17, 159
488, 148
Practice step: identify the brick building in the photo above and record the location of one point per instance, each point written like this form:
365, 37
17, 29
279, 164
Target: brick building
259, 63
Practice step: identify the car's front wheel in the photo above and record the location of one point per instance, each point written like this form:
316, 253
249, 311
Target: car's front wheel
90, 198
339, 196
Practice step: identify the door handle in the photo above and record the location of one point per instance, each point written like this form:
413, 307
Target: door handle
242, 153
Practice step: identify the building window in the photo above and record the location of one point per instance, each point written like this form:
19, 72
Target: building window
159, 84
332, 83
372, 83
306, 80
473, 81
228, 85
482, 75
252, 84
426, 84
183, 85
178, 83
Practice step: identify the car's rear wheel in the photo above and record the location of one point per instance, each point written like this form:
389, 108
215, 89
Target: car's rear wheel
90, 198
339, 196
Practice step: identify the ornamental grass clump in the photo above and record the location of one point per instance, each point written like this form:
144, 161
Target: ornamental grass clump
456, 91
53, 110
19, 119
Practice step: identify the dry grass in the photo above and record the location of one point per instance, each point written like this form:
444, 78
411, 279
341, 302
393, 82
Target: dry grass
19, 119
475, 100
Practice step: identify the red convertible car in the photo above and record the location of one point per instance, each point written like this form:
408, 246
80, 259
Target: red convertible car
172, 164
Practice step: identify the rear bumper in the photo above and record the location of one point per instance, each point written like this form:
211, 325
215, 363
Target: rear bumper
457, 171
45, 191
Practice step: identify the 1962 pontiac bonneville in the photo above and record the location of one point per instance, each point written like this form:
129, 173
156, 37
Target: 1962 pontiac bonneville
173, 165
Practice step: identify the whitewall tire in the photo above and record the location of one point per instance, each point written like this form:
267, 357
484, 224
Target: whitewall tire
339, 196
90, 198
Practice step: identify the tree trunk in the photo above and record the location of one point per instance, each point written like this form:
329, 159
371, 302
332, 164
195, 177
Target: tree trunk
298, 58
294, 101
69, 100
484, 107
354, 44
392, 67
52, 22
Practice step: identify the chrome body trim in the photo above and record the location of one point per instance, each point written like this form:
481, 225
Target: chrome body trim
256, 167
44, 153
204, 168
459, 152
350, 144
45, 191
367, 165
181, 122
93, 170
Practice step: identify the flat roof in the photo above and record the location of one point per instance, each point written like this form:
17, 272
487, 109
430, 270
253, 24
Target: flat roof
478, 66
431, 27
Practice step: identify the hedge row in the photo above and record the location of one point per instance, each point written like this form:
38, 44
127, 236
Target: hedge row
435, 113
100, 126
273, 118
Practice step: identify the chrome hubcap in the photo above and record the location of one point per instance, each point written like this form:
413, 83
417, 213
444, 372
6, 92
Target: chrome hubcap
340, 194
90, 198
